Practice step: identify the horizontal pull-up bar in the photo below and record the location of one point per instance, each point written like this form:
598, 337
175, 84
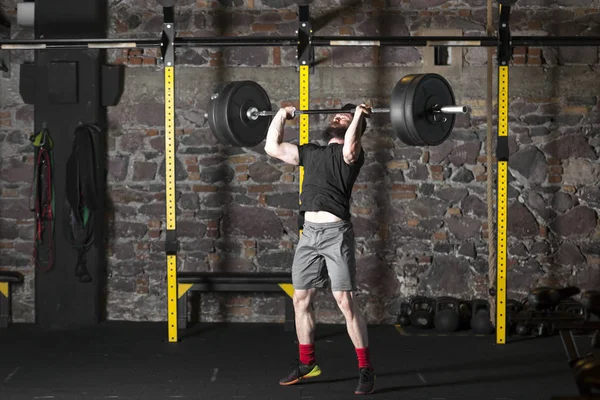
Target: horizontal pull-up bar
454, 41
317, 41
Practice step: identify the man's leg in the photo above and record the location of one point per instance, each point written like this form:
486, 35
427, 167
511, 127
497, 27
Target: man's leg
305, 324
305, 330
357, 330
307, 276
305, 315
341, 266
355, 321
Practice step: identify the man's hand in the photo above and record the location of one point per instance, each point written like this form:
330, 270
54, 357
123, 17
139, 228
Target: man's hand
289, 112
363, 109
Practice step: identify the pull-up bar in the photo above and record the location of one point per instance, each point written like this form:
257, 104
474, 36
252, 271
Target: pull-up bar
315, 41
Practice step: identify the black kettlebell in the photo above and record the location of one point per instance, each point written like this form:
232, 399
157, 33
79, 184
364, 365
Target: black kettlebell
480, 319
421, 312
542, 329
522, 329
513, 307
574, 308
404, 316
465, 313
571, 306
447, 318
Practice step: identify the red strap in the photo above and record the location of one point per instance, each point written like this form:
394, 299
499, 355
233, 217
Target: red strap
44, 211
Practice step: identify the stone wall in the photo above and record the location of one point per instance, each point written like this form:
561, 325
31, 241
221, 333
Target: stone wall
419, 213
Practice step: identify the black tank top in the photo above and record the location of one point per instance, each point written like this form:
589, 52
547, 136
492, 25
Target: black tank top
328, 179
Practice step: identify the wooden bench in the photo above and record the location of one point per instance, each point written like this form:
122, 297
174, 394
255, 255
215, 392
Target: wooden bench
188, 282
6, 278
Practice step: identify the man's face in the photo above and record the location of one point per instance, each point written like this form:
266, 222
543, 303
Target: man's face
341, 119
337, 126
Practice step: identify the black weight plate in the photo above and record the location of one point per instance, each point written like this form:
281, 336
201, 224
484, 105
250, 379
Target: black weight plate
397, 112
228, 113
412, 119
427, 91
215, 111
409, 110
221, 116
242, 130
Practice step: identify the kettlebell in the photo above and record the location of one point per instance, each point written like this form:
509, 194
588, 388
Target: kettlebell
513, 307
404, 316
480, 319
522, 329
446, 317
574, 308
542, 329
465, 313
421, 314
571, 306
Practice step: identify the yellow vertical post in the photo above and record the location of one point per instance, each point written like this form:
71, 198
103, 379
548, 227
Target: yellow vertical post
502, 154
502, 206
171, 244
170, 199
305, 61
304, 105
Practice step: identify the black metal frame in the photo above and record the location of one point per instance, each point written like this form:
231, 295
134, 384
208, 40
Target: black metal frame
220, 282
305, 41
306, 51
315, 41
4, 55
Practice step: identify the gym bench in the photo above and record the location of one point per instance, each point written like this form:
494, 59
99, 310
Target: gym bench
6, 278
188, 282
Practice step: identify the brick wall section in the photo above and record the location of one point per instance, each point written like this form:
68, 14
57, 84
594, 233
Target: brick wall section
419, 213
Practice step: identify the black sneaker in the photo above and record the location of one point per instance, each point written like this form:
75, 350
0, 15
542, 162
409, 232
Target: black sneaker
366, 381
300, 371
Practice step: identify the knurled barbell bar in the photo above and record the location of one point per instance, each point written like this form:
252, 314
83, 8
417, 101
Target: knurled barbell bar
254, 113
422, 111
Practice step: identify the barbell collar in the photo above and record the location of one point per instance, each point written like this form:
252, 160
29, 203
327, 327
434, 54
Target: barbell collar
454, 110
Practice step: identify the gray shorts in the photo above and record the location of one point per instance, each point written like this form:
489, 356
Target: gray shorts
325, 250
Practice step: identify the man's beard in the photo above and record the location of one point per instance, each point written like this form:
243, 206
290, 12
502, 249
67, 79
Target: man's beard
331, 132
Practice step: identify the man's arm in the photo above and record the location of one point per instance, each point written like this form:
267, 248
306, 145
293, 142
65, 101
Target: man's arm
352, 145
274, 146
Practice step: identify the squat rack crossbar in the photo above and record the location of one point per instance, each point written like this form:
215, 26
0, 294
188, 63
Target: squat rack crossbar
315, 41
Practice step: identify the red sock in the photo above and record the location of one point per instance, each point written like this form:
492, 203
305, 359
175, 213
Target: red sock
307, 353
363, 356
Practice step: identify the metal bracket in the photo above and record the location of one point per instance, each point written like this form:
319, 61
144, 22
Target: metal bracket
172, 245
167, 41
306, 52
5, 54
504, 37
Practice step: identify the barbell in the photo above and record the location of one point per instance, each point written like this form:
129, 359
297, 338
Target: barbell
422, 111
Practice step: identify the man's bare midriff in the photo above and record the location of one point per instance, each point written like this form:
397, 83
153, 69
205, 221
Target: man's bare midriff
320, 217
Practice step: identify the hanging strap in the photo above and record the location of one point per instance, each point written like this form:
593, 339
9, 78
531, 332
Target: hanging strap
81, 197
42, 194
